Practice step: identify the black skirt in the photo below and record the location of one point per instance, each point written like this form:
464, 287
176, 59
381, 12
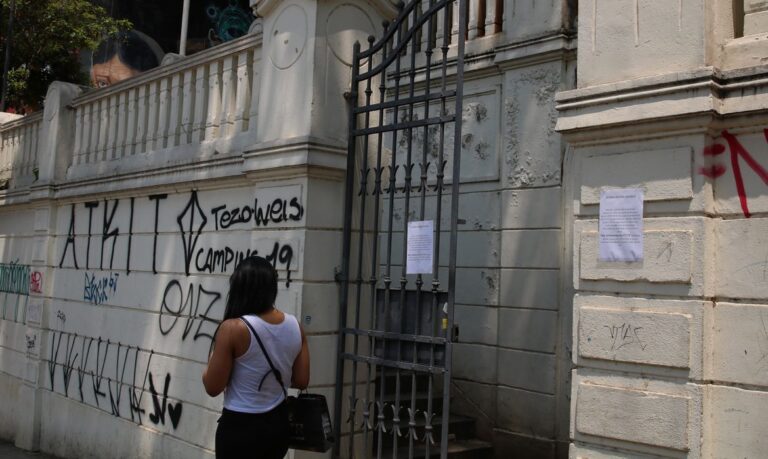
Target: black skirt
253, 435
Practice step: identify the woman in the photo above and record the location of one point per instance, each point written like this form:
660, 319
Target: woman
254, 421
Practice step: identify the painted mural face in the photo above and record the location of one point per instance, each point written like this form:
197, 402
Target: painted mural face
123, 56
110, 72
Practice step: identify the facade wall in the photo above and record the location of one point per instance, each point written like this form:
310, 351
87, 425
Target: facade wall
133, 247
669, 352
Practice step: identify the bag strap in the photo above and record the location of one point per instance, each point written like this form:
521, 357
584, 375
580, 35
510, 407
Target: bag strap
274, 370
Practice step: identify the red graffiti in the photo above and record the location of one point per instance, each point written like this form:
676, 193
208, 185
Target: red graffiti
713, 172
737, 151
36, 282
714, 150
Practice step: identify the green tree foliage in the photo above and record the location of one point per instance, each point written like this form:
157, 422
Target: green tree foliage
48, 36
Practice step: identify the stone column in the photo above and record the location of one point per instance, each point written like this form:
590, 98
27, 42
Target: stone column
302, 135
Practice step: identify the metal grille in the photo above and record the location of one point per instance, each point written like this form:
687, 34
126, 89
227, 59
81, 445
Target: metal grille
403, 166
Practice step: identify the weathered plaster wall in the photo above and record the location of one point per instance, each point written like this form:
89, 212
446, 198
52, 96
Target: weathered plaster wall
511, 363
670, 351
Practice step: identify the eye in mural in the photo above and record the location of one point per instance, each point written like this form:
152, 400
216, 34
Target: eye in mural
228, 23
123, 56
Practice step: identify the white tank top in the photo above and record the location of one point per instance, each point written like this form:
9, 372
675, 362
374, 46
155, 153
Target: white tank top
283, 343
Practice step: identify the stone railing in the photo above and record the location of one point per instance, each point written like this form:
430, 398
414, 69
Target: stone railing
484, 18
204, 99
18, 151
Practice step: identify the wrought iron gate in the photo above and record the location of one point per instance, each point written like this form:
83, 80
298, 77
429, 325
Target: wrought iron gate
403, 170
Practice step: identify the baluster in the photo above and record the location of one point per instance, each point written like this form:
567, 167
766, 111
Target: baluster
188, 102
201, 104
243, 98
21, 153
87, 132
113, 127
127, 122
425, 32
15, 150
162, 116
78, 135
36, 147
174, 124
227, 97
474, 18
94, 138
255, 87
7, 147
152, 116
2, 154
143, 110
440, 29
214, 101
455, 21
103, 129
29, 141
493, 16
5, 154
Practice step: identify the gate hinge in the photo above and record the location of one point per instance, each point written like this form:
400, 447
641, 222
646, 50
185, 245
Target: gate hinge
455, 333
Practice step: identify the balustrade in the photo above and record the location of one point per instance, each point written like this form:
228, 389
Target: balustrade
18, 151
202, 98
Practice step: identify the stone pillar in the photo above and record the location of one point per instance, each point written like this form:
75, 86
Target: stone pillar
302, 134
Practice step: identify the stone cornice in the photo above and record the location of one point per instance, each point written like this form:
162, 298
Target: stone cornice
662, 103
385, 8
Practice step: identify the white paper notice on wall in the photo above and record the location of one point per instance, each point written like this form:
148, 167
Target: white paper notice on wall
421, 247
621, 225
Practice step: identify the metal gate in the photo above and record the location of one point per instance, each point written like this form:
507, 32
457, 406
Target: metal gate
400, 231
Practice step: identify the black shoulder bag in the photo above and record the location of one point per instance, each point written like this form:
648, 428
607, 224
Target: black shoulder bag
309, 422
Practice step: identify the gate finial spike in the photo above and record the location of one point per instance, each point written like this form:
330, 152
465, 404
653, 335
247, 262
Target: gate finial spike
400, 5
371, 39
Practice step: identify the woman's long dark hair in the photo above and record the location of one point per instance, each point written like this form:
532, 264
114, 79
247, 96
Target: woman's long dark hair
252, 288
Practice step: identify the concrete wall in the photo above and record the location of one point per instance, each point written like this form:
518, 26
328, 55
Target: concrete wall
670, 351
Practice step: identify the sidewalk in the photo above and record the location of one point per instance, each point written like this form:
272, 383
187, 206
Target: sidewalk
8, 451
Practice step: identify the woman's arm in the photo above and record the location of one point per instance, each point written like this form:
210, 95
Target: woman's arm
216, 374
300, 376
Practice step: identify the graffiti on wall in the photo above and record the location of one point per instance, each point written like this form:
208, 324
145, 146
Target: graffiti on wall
97, 289
36, 282
14, 278
738, 153
78, 364
99, 239
192, 221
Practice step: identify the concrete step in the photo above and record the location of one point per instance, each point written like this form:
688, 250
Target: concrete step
457, 449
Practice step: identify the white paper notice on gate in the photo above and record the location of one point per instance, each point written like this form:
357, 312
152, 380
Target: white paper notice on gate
621, 225
421, 247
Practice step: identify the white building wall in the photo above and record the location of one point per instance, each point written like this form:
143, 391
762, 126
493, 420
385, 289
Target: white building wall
92, 350
669, 352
